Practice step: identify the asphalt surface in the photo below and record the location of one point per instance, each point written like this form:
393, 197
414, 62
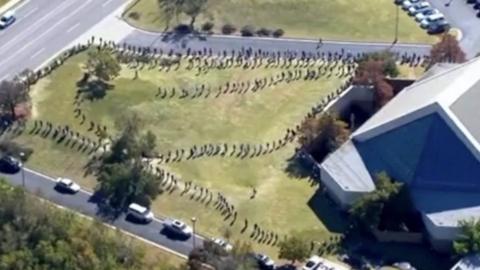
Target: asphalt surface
461, 15
84, 203
44, 28
229, 43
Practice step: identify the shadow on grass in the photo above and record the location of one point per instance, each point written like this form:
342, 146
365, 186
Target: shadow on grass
326, 211
94, 90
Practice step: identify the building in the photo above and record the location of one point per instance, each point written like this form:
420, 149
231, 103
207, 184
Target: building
428, 137
468, 263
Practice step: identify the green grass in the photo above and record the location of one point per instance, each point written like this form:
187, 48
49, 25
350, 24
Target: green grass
372, 20
283, 204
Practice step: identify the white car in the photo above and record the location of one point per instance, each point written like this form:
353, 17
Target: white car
419, 6
178, 227
67, 185
422, 15
223, 244
139, 212
313, 263
7, 19
431, 19
408, 3
264, 261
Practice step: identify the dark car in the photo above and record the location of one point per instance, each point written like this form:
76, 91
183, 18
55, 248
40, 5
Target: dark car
10, 164
438, 27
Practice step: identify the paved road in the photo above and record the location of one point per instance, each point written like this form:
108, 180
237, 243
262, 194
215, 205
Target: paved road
83, 202
45, 27
462, 16
219, 43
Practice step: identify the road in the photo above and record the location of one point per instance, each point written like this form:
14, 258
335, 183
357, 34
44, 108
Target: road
219, 43
462, 16
84, 203
44, 28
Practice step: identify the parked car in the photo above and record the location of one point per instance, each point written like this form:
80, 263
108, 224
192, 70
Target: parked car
438, 27
264, 261
408, 3
424, 14
223, 244
10, 164
313, 263
431, 19
67, 185
139, 213
178, 227
7, 19
404, 266
414, 9
398, 2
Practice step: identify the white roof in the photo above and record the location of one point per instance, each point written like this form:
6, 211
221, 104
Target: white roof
9, 13
137, 207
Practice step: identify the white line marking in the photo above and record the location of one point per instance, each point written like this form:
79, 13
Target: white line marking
37, 24
29, 13
4, 77
44, 33
37, 53
21, 5
106, 3
73, 27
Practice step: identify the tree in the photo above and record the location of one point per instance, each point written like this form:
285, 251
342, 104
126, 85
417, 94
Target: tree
293, 249
322, 134
12, 93
193, 8
447, 50
170, 8
102, 65
469, 240
368, 208
383, 93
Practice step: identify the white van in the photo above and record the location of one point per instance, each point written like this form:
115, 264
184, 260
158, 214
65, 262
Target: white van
431, 19
139, 212
7, 19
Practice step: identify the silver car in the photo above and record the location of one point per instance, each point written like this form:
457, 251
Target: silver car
178, 227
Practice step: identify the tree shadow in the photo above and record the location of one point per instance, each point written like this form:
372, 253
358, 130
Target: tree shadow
104, 210
94, 90
301, 166
326, 211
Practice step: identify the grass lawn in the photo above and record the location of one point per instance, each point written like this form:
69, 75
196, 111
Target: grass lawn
372, 20
283, 204
3, 2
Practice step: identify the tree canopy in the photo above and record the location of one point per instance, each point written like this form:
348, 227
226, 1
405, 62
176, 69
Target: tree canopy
12, 93
123, 177
368, 209
447, 50
322, 134
469, 240
293, 249
191, 8
37, 235
103, 65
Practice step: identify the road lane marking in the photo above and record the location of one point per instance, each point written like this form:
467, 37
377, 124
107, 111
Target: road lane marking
26, 33
73, 27
37, 53
21, 5
106, 3
28, 13
46, 32
4, 77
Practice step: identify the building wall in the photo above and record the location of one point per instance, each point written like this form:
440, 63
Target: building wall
343, 198
440, 238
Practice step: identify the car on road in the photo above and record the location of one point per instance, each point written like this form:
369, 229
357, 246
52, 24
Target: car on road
264, 261
418, 7
67, 185
431, 19
313, 263
10, 164
178, 227
139, 213
7, 19
424, 14
223, 244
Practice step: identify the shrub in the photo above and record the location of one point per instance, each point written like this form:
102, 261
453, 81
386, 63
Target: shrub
228, 29
182, 29
134, 15
207, 27
264, 32
248, 31
278, 33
